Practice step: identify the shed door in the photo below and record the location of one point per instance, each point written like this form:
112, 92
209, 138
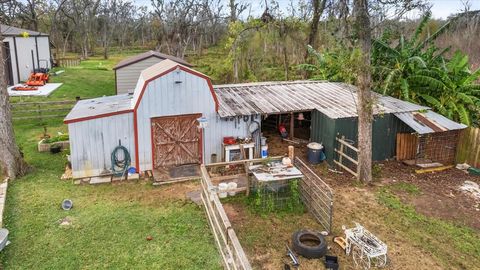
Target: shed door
176, 140
406, 146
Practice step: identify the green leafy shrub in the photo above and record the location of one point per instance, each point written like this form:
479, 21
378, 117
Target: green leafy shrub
58, 138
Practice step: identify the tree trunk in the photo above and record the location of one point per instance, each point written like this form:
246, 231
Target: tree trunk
233, 11
11, 160
364, 80
318, 8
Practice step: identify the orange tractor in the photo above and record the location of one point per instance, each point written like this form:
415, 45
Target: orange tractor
37, 78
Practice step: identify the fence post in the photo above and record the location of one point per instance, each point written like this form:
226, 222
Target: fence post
340, 158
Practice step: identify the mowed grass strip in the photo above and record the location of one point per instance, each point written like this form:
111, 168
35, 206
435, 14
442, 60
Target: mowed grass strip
108, 223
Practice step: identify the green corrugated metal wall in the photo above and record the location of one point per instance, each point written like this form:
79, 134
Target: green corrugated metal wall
384, 133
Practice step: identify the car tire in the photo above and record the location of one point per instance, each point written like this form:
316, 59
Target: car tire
309, 244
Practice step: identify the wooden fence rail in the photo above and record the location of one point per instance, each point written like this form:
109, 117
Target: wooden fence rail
41, 110
468, 149
346, 153
233, 255
67, 62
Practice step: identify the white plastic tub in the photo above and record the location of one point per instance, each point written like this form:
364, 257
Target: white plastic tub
232, 185
222, 187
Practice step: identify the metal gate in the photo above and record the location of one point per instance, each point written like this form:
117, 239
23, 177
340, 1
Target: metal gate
316, 195
176, 140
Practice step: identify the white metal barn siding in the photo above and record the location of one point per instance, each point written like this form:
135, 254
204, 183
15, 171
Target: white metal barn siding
126, 77
96, 125
21, 51
164, 97
92, 143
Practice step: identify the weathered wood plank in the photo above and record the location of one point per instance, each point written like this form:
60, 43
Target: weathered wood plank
346, 168
468, 148
229, 246
346, 156
348, 145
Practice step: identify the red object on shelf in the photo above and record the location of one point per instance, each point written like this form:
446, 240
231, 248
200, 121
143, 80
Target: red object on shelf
229, 140
283, 131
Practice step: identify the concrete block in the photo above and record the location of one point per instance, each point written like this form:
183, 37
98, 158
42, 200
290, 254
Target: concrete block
100, 180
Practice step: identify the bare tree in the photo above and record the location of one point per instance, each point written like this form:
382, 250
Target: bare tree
318, 8
11, 160
364, 96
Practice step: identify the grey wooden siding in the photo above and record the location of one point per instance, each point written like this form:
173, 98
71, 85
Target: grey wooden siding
164, 97
93, 141
127, 76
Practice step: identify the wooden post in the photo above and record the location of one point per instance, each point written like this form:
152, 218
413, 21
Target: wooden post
340, 158
292, 125
291, 152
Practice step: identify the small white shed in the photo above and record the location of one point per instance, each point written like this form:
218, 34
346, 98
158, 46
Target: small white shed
25, 51
157, 123
128, 70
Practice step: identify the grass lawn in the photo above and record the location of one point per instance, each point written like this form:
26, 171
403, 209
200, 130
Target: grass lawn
109, 223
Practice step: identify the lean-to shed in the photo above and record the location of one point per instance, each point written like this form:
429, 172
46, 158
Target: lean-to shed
334, 114
128, 70
157, 123
24, 51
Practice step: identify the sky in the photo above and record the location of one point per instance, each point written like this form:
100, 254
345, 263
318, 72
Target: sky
441, 9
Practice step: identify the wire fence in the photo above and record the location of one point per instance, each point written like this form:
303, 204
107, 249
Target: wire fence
41, 110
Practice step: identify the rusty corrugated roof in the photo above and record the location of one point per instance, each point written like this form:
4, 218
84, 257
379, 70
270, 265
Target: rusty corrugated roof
443, 123
336, 100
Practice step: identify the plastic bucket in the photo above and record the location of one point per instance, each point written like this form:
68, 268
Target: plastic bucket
67, 204
315, 153
222, 187
264, 151
232, 185
263, 141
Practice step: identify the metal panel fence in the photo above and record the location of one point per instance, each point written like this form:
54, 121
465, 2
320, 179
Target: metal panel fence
316, 195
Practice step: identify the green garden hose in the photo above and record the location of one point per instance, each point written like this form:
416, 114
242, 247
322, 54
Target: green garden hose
120, 166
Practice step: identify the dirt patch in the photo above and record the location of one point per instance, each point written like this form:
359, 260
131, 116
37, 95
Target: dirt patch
439, 196
434, 195
264, 238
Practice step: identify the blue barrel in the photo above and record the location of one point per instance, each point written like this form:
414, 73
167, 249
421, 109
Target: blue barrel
315, 153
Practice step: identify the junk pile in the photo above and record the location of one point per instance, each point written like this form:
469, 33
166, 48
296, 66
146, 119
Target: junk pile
471, 188
468, 169
311, 245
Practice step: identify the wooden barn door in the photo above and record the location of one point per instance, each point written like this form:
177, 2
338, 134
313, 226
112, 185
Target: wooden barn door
406, 146
176, 140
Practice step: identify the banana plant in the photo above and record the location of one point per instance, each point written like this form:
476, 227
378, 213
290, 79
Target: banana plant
394, 64
451, 89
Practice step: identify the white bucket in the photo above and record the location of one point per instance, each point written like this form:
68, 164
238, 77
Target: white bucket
264, 151
232, 185
222, 187
263, 141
